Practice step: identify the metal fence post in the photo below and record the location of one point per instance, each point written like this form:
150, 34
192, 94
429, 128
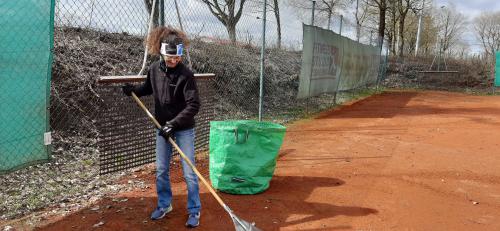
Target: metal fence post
312, 61
341, 64
419, 29
371, 37
341, 21
262, 58
493, 64
312, 14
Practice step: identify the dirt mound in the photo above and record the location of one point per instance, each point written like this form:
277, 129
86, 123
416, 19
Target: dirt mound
457, 75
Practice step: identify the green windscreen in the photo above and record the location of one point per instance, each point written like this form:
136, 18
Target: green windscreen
331, 63
26, 40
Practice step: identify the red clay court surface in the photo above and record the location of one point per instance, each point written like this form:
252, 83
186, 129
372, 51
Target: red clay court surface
400, 160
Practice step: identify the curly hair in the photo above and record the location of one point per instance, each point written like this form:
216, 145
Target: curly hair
160, 34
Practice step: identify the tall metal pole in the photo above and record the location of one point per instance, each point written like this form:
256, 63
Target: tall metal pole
419, 30
418, 34
439, 54
312, 15
382, 70
262, 57
342, 63
494, 71
312, 58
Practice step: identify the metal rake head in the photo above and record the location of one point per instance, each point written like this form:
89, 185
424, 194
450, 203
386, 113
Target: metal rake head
242, 225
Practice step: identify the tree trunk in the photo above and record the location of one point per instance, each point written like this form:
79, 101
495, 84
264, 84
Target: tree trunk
329, 19
149, 4
392, 31
381, 22
401, 36
278, 22
227, 14
231, 30
394, 43
389, 42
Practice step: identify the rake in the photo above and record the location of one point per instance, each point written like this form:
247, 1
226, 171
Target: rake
239, 224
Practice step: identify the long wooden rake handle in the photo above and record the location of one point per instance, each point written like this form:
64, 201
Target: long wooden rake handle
139, 102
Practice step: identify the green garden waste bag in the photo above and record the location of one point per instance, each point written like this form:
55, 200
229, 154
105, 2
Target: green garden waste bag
243, 155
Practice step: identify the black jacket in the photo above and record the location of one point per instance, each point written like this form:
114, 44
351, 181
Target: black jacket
175, 94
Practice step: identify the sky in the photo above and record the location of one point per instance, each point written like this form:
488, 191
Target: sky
131, 16
472, 9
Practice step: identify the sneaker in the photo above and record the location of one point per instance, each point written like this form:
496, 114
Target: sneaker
159, 213
193, 220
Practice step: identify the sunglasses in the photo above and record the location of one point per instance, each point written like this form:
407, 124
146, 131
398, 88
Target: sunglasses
171, 57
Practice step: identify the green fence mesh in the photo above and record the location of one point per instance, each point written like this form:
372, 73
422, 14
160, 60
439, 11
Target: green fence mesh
26, 40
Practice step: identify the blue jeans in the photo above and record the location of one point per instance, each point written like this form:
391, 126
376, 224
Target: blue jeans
185, 140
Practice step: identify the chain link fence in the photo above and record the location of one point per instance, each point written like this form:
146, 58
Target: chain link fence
126, 138
474, 74
105, 38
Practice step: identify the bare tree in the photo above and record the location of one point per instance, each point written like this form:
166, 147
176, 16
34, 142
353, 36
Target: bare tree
361, 14
429, 33
452, 25
330, 7
228, 12
487, 27
381, 6
403, 7
410, 33
325, 8
392, 18
274, 6
461, 50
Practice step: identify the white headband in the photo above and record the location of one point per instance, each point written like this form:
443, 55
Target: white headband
179, 49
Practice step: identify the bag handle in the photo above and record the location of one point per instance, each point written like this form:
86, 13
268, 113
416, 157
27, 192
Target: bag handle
237, 139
